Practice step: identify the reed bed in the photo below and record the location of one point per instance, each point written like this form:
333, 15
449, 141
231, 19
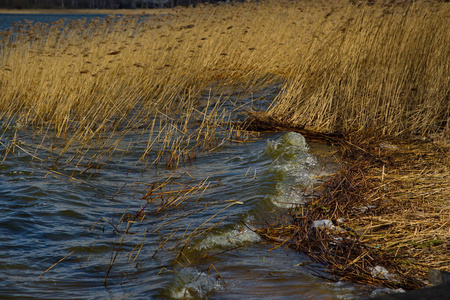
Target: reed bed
73, 90
381, 70
345, 67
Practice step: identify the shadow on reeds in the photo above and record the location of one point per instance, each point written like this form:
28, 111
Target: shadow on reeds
71, 93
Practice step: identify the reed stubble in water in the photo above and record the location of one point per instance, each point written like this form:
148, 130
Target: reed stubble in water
348, 68
379, 69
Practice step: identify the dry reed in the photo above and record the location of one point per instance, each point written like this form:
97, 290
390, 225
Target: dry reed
346, 69
389, 208
379, 69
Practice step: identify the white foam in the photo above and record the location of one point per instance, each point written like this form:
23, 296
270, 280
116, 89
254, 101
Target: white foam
287, 146
295, 139
288, 196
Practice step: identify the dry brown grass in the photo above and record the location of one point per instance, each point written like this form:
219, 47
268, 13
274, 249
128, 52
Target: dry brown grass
80, 80
390, 205
381, 70
348, 69
412, 198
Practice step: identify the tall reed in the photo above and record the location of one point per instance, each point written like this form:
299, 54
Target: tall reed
347, 67
380, 71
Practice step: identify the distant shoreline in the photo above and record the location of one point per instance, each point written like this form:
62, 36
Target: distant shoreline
85, 11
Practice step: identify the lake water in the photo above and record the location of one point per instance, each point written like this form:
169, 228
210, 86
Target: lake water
98, 235
7, 20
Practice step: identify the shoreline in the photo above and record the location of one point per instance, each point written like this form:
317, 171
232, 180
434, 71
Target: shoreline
388, 208
385, 211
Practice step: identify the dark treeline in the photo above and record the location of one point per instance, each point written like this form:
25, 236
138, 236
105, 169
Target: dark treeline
98, 4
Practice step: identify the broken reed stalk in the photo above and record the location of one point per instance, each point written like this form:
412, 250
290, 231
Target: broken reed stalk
171, 194
77, 80
373, 201
82, 79
179, 237
377, 70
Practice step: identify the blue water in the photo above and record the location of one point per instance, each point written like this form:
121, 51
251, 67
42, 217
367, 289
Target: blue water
7, 20
74, 229
46, 216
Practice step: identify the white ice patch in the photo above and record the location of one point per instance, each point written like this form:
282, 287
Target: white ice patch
193, 284
323, 224
230, 238
386, 145
380, 272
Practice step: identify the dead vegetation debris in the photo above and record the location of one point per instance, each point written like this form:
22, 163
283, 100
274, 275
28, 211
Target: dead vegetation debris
389, 204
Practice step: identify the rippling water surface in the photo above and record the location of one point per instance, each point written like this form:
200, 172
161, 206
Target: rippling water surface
47, 216
84, 230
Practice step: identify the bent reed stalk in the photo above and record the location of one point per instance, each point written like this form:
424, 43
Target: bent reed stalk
349, 67
353, 67
381, 71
